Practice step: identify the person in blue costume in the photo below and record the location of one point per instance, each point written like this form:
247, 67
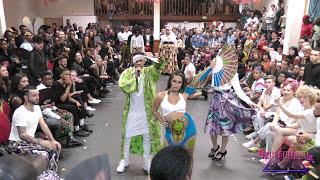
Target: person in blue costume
179, 126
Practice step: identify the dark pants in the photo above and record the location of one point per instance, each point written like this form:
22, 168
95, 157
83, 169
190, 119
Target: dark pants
92, 84
72, 108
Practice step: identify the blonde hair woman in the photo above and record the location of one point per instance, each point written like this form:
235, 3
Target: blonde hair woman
306, 126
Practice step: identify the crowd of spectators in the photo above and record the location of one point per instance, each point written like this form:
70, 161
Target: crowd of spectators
73, 67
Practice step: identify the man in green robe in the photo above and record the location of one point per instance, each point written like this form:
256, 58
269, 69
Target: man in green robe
139, 129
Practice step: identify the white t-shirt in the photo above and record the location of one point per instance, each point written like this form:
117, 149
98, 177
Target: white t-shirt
318, 132
309, 124
292, 105
271, 99
190, 68
25, 118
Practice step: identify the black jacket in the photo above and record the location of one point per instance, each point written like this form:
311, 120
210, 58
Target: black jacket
151, 41
38, 63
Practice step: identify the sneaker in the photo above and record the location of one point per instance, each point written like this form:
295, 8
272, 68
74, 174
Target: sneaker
249, 144
94, 101
81, 133
264, 161
86, 128
146, 166
253, 149
251, 136
122, 166
88, 108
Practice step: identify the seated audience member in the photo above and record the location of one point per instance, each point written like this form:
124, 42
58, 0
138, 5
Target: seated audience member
296, 72
258, 85
281, 78
267, 105
54, 115
305, 127
63, 100
80, 91
93, 83
8, 58
5, 83
19, 81
280, 119
62, 64
171, 163
101, 70
25, 121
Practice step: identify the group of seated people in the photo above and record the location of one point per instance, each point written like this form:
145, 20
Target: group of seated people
287, 122
43, 108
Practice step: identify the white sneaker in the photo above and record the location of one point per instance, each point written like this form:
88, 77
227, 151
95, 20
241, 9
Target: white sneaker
146, 166
94, 101
249, 144
88, 108
122, 166
264, 161
251, 136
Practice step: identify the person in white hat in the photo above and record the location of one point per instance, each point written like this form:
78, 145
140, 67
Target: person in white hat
139, 127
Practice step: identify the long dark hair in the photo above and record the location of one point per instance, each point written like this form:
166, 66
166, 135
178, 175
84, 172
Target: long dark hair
184, 81
16, 81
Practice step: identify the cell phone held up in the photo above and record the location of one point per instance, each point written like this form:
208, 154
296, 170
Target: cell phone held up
281, 123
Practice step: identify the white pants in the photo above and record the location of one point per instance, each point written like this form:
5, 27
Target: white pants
258, 121
146, 148
266, 133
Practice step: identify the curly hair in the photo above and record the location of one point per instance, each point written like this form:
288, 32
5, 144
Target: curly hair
309, 92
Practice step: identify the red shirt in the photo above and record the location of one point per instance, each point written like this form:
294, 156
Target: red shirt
306, 30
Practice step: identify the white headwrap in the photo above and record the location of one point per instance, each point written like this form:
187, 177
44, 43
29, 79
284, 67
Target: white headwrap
142, 57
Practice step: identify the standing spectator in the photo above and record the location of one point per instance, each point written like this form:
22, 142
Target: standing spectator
316, 33
80, 33
19, 40
270, 18
38, 63
148, 40
27, 43
168, 50
74, 45
279, 13
312, 70
306, 28
137, 42
198, 40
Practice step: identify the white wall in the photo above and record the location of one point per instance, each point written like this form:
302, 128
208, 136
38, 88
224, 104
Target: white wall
15, 10
293, 24
65, 7
80, 20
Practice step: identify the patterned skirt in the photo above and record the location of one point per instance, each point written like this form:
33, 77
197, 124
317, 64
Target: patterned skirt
226, 114
67, 126
24, 148
169, 53
182, 132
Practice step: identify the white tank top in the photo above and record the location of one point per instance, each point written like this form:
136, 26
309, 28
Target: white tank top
167, 107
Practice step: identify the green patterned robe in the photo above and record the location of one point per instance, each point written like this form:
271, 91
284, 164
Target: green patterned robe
128, 85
